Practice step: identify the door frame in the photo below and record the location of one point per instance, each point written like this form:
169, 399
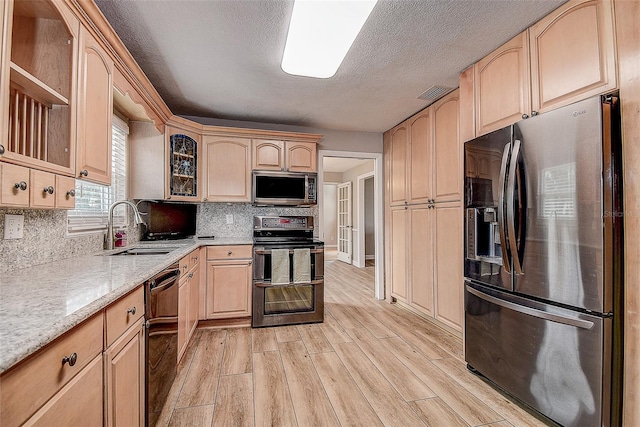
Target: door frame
378, 204
347, 256
360, 179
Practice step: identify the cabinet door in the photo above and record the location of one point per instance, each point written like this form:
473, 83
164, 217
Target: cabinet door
125, 379
227, 169
447, 157
194, 299
228, 289
65, 192
399, 288
420, 157
79, 403
421, 258
572, 54
467, 105
399, 147
300, 156
183, 315
448, 264
182, 183
15, 181
95, 105
268, 154
502, 85
43, 189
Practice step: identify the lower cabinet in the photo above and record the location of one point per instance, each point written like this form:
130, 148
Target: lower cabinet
426, 260
228, 290
21, 187
188, 300
124, 370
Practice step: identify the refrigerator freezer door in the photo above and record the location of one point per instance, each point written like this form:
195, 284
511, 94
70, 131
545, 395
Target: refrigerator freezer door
563, 260
486, 257
550, 358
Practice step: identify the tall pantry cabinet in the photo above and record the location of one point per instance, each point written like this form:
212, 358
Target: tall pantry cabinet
423, 166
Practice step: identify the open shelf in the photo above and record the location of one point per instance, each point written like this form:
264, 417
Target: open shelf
34, 87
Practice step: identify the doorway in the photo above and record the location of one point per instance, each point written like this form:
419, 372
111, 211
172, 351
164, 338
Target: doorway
364, 172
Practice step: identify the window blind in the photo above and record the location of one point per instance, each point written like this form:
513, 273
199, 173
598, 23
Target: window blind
93, 200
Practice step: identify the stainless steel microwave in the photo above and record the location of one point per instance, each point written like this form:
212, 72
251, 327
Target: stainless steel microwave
274, 188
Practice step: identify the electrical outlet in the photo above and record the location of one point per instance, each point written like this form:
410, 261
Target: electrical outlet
229, 218
13, 226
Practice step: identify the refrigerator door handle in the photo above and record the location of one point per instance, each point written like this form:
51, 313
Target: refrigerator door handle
553, 317
511, 185
501, 218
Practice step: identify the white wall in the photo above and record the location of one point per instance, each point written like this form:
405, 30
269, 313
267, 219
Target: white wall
337, 140
330, 207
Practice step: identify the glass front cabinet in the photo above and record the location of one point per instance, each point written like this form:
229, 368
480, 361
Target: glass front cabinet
183, 165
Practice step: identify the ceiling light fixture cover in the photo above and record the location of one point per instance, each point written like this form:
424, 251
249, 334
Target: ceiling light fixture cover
321, 33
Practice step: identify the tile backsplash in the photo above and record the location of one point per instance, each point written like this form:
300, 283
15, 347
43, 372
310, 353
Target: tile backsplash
45, 237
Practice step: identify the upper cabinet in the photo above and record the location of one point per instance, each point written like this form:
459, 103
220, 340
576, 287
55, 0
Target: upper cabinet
227, 169
502, 85
447, 152
567, 56
182, 163
38, 85
95, 109
284, 155
419, 156
399, 154
572, 54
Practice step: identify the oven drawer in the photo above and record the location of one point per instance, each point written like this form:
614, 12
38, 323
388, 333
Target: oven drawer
229, 252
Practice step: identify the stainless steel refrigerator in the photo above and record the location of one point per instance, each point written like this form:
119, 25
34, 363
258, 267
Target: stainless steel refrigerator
543, 261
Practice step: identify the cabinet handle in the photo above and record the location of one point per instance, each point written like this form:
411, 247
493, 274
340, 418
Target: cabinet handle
48, 189
71, 360
191, 276
534, 113
525, 116
204, 200
84, 172
229, 253
132, 310
20, 185
195, 258
1, 149
71, 193
184, 267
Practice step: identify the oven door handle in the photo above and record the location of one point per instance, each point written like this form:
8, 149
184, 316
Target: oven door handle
268, 251
269, 285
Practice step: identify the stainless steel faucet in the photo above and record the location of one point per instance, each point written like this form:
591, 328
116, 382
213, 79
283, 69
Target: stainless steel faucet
109, 242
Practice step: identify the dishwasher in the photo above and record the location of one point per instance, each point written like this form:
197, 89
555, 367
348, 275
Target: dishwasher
161, 336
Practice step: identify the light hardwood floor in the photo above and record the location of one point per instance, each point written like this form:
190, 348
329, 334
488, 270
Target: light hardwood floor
369, 364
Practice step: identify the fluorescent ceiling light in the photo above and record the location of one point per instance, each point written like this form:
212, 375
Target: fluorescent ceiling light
321, 33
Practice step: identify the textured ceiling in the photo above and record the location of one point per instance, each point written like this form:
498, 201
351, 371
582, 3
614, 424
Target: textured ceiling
221, 59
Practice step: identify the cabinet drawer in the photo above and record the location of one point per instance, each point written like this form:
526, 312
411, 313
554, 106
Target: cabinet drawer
189, 261
43, 189
29, 385
229, 252
124, 313
65, 192
15, 182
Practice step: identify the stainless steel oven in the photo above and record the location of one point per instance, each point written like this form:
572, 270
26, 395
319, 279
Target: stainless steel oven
288, 272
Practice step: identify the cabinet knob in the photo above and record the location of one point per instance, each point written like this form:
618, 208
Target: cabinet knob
48, 189
84, 172
525, 116
229, 253
71, 360
20, 185
132, 310
71, 193
204, 200
534, 113
191, 276
184, 267
1, 149
195, 258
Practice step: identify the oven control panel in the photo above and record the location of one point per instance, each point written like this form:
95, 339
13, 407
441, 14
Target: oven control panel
283, 222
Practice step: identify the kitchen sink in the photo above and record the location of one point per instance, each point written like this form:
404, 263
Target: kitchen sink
146, 251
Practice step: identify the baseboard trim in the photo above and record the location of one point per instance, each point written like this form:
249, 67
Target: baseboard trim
237, 322
429, 319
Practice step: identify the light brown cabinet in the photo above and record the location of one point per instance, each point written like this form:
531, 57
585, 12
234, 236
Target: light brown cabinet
572, 54
95, 110
38, 84
419, 156
227, 169
399, 154
182, 181
16, 183
228, 290
125, 378
284, 155
188, 299
398, 252
502, 85
446, 163
567, 56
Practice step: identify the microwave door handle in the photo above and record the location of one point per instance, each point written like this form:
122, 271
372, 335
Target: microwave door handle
501, 218
306, 189
511, 184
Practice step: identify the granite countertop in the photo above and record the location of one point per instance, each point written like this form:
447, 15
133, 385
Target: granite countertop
41, 303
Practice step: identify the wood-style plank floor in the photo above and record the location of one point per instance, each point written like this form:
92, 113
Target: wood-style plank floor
369, 364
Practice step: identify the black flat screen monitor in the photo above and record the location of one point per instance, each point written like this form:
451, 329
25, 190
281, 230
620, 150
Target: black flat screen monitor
168, 220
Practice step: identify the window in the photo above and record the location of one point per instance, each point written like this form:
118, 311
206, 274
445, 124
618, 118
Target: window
93, 200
